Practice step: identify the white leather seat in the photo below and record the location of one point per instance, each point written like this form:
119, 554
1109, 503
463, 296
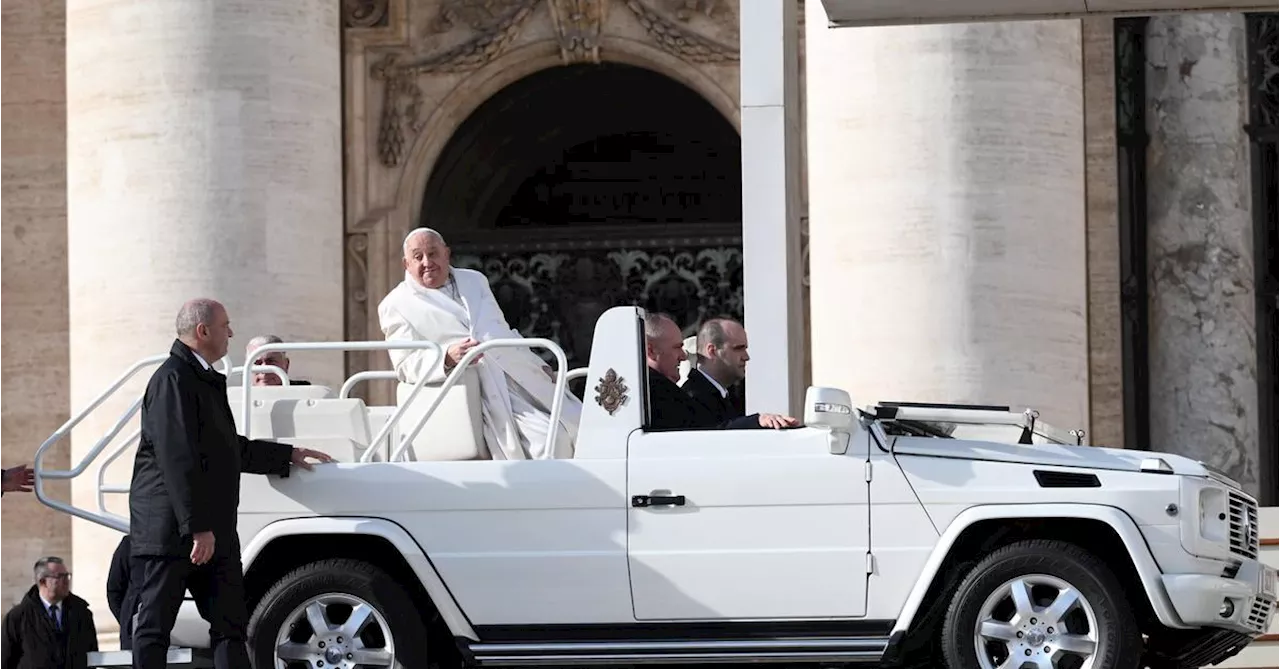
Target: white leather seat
690, 348
454, 431
307, 416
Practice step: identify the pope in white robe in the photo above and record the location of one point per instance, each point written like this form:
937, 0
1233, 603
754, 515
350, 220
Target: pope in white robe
456, 309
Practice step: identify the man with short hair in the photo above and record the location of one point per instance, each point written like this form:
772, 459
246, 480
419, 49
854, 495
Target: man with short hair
669, 407
722, 364
277, 358
456, 309
185, 492
50, 628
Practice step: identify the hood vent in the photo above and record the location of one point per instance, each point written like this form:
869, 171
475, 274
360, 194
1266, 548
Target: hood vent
1052, 479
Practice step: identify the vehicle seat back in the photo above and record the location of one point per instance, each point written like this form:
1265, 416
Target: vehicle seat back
338, 427
454, 431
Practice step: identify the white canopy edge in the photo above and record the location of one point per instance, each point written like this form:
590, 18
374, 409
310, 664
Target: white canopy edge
854, 13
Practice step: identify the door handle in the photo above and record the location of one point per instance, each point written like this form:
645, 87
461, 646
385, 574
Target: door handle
642, 501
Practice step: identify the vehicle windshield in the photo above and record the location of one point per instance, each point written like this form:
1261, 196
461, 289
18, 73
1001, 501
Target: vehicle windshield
994, 432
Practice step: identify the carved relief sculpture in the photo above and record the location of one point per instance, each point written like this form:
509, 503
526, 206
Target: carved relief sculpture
496, 23
578, 23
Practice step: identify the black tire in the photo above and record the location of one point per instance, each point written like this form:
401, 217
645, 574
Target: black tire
350, 578
1119, 643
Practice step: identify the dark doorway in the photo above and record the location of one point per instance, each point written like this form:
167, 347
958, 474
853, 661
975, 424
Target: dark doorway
585, 187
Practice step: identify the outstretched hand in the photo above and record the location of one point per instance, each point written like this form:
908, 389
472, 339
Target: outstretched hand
19, 479
777, 421
300, 456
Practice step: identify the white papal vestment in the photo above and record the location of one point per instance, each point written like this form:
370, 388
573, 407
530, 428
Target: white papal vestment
515, 389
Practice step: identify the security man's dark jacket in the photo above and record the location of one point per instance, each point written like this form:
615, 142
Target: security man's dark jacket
186, 475
32, 641
671, 409
700, 389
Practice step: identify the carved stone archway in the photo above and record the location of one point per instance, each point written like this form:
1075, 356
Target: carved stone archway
417, 69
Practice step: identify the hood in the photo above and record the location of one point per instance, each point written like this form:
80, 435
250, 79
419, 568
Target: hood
1088, 457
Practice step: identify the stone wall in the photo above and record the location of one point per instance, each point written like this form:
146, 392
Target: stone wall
35, 375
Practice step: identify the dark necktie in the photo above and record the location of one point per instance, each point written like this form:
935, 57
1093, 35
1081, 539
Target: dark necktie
53, 615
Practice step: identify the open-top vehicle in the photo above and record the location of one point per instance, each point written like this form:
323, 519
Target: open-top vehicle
900, 534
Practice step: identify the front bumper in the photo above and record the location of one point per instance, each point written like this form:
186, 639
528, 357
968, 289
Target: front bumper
1243, 603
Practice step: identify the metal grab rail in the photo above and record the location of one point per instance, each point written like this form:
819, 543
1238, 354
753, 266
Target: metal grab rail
109, 520
103, 488
537, 342
247, 381
248, 370
578, 373
370, 375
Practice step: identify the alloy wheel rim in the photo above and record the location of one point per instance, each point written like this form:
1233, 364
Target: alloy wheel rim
334, 631
1036, 621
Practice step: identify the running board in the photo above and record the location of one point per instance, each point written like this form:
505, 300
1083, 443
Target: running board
851, 650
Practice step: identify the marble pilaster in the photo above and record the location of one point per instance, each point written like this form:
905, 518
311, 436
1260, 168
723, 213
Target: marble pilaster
36, 379
947, 214
1200, 243
204, 159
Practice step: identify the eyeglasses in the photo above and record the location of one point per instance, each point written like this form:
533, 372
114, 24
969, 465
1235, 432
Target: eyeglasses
60, 577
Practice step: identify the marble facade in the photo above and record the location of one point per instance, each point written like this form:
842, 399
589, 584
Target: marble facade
981, 265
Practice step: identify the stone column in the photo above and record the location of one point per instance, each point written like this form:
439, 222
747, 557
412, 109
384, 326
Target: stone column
947, 220
771, 205
36, 385
1200, 243
204, 159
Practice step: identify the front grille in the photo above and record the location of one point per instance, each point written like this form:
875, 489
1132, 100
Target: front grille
1243, 521
1259, 615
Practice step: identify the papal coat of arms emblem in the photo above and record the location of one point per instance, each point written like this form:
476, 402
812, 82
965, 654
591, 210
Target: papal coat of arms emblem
611, 392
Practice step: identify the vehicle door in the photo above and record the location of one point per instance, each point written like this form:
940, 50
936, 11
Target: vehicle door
733, 524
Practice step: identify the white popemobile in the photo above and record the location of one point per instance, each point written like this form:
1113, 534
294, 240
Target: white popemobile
902, 535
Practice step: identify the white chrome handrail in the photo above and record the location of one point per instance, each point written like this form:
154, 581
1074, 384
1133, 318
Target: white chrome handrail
103, 488
284, 376
579, 373
247, 381
370, 375
109, 520
461, 368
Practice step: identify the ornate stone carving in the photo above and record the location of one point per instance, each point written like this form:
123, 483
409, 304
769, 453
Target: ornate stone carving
364, 13
611, 393
686, 9
678, 40
578, 24
560, 293
497, 22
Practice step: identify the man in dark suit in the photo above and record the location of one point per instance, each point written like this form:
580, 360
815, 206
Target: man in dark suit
122, 599
50, 628
722, 364
185, 493
669, 407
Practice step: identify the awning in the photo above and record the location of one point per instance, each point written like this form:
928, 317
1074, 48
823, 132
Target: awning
843, 13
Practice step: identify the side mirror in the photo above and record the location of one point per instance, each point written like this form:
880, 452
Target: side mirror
830, 409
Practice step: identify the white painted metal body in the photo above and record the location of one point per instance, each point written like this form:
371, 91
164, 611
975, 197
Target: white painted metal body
844, 519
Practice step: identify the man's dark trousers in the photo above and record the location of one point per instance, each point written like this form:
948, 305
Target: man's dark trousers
218, 590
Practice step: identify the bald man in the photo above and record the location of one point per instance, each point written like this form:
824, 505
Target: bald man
722, 364
456, 309
185, 492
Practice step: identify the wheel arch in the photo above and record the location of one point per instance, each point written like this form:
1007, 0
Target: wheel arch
974, 521
282, 546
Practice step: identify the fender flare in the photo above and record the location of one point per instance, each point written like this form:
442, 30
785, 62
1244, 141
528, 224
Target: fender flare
1120, 522
393, 533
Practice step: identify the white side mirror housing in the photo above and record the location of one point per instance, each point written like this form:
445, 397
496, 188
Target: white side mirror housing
830, 409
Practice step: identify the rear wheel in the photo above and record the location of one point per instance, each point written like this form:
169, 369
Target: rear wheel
337, 614
1042, 605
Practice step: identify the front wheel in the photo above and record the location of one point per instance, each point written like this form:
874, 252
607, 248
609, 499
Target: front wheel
337, 614
1044, 605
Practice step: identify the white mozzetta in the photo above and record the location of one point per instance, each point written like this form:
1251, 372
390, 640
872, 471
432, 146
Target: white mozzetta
204, 159
946, 203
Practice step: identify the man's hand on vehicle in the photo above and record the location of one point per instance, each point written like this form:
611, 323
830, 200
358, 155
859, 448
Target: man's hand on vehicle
201, 547
454, 354
19, 479
777, 421
300, 456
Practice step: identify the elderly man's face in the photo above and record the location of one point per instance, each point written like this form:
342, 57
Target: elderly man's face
427, 261
276, 358
57, 585
215, 336
666, 352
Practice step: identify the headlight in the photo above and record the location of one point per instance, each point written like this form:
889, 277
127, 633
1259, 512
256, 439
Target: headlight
1213, 515
1205, 531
